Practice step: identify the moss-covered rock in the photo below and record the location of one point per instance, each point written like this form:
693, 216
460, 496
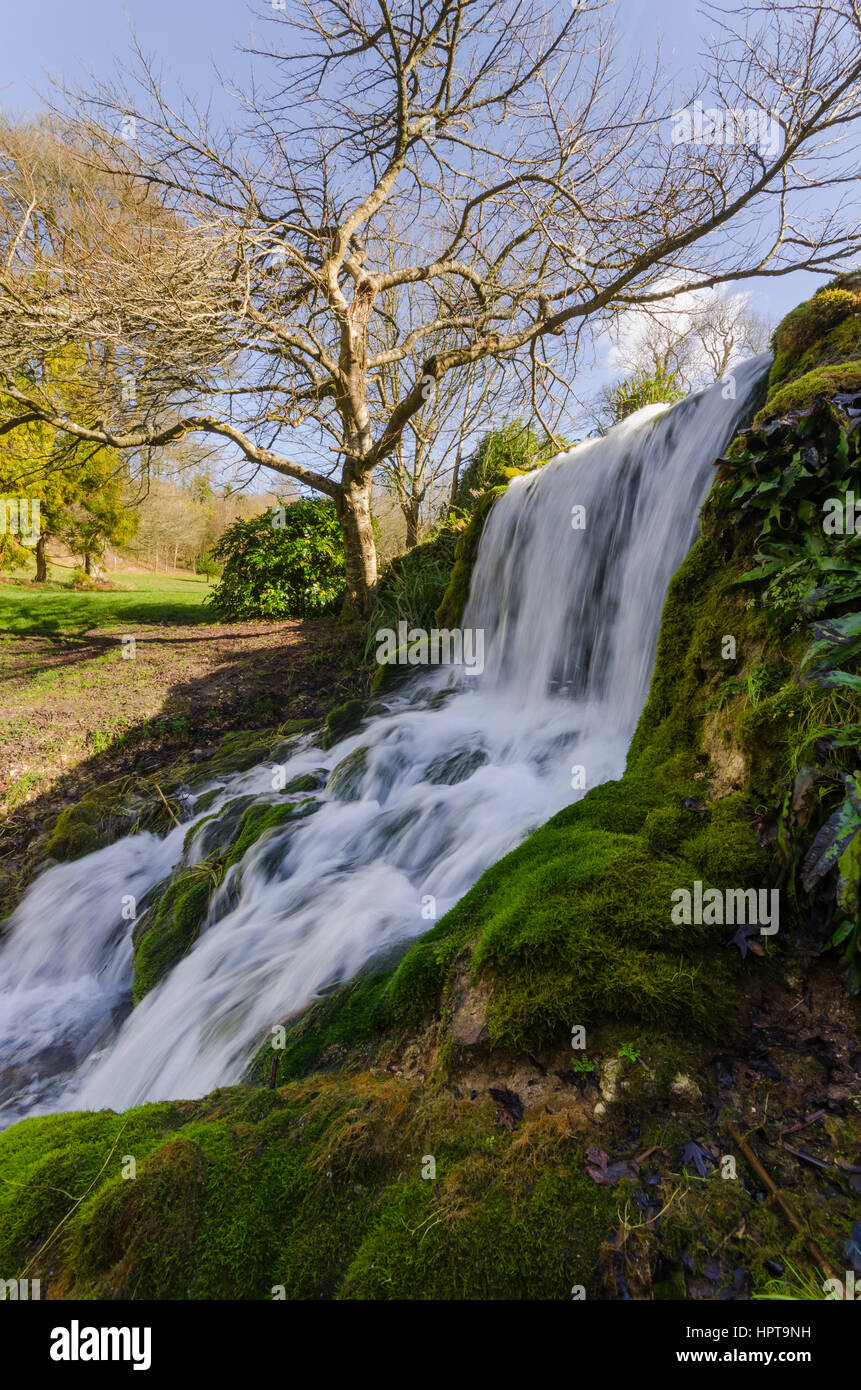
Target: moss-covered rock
450, 611
343, 721
305, 1192
169, 928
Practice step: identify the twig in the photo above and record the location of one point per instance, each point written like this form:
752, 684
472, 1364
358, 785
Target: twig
805, 1158
802, 1124
166, 802
780, 1200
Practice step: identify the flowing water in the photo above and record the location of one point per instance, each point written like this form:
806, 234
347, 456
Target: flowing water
451, 773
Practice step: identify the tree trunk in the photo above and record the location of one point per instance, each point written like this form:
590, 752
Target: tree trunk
41, 561
455, 479
412, 519
360, 552
88, 563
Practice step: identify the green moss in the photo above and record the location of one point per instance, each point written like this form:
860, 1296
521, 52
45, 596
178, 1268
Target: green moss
666, 827
727, 852
315, 1189
168, 929
820, 384
238, 752
259, 818
450, 611
346, 776
506, 1242
342, 721
583, 932
121, 1245
814, 320
75, 832
216, 833
48, 1162
307, 782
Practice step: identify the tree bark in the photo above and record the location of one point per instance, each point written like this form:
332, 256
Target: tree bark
412, 520
360, 552
41, 561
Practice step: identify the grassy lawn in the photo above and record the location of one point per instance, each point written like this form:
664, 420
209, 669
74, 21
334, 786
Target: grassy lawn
137, 598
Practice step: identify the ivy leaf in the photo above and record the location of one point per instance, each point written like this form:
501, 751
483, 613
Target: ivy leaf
833, 640
831, 680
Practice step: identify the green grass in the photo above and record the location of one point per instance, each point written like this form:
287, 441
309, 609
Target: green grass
138, 598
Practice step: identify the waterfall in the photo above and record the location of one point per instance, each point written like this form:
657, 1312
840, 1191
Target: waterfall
451, 773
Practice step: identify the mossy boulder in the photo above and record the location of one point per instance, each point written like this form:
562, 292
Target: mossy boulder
450, 611
342, 721
169, 928
305, 1192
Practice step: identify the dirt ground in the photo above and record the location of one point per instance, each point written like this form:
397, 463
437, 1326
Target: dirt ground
75, 711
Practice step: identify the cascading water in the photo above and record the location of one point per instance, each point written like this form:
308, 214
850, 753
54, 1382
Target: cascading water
452, 774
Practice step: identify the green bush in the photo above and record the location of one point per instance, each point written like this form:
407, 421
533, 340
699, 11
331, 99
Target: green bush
286, 563
515, 448
643, 388
207, 565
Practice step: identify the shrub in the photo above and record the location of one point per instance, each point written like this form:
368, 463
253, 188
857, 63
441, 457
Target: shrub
515, 448
643, 388
207, 565
413, 585
286, 563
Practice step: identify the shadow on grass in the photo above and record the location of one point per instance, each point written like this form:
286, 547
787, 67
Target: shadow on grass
310, 667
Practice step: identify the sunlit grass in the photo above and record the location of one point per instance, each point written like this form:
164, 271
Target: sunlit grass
136, 598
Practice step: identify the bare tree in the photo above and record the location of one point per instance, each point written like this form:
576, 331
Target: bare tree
697, 338
544, 184
422, 470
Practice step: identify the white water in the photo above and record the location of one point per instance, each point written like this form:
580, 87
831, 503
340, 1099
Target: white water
570, 620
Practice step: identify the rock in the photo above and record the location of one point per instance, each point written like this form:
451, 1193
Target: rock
608, 1080
600, 1111
685, 1088
468, 1022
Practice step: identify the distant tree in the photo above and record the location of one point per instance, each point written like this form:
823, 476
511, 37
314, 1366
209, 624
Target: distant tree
697, 339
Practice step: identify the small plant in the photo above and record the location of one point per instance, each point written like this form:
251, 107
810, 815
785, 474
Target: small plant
582, 1066
629, 1052
794, 1285
514, 448
207, 565
624, 397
